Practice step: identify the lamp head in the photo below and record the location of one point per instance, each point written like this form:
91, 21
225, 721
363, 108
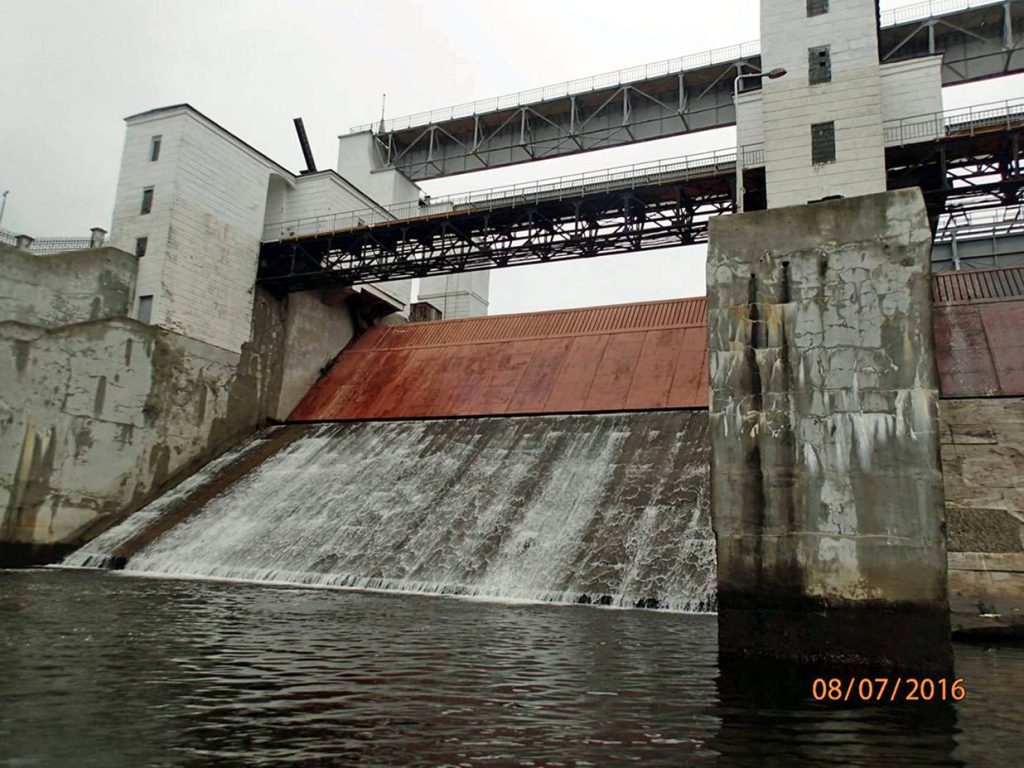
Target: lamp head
776, 73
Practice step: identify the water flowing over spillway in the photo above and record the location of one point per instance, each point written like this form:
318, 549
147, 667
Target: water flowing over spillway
610, 508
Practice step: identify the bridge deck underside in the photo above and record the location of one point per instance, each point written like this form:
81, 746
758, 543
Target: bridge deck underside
956, 174
976, 44
664, 215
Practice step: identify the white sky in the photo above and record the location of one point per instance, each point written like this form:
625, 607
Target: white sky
70, 71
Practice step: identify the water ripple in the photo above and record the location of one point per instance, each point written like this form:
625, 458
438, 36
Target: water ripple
107, 670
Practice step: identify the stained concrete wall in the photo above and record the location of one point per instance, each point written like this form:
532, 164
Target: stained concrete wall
99, 415
826, 490
318, 325
73, 287
983, 468
99, 412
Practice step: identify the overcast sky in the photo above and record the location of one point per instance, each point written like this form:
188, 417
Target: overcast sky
70, 71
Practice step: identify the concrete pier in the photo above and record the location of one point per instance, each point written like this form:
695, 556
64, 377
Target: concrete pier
827, 499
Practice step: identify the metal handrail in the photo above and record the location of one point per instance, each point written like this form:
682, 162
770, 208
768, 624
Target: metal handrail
556, 188
569, 87
896, 132
912, 130
930, 9
980, 224
918, 11
49, 246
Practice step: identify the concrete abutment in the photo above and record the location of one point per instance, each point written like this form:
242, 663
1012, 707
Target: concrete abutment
827, 496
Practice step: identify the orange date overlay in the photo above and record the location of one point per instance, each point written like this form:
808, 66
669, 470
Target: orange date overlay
891, 689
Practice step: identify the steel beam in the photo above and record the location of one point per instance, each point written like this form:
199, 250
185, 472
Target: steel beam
967, 171
668, 98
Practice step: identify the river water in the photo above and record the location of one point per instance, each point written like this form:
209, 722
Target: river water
101, 669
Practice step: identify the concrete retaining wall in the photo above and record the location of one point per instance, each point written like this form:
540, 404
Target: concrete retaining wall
983, 468
99, 413
49, 291
97, 418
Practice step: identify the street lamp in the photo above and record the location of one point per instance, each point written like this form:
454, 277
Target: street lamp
775, 74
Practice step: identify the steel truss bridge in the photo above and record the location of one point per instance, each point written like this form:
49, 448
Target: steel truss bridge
979, 39
965, 161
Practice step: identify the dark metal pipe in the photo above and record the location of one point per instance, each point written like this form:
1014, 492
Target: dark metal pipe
306, 151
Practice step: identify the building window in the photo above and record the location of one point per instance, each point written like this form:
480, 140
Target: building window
140, 246
817, 7
823, 143
145, 308
820, 62
154, 149
147, 200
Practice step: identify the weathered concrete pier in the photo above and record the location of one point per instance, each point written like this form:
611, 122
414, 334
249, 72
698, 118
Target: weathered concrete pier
827, 497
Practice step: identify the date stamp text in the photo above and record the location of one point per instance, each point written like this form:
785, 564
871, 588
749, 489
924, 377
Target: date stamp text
887, 689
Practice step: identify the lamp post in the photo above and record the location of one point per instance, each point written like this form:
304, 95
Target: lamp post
775, 74
3, 204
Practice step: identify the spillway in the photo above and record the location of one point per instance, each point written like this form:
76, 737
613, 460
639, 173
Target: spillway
609, 508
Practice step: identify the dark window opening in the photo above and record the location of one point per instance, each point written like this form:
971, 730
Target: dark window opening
823, 143
147, 200
140, 246
817, 7
820, 64
154, 149
145, 308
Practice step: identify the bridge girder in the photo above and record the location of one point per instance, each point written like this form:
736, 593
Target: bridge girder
622, 221
958, 174
678, 97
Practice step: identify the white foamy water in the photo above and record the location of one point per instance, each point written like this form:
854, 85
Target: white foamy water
609, 508
96, 554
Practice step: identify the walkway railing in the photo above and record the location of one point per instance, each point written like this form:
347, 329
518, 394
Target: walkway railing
927, 10
975, 225
564, 187
1001, 115
663, 68
48, 246
967, 120
570, 88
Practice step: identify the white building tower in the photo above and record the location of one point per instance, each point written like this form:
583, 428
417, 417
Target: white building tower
822, 125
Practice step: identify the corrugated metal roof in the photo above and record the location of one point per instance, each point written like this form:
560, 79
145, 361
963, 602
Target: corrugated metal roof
626, 357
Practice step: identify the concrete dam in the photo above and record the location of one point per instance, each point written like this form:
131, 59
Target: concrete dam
557, 456
595, 492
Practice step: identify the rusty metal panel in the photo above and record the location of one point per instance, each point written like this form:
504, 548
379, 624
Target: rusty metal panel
977, 321
1003, 327
961, 353
625, 357
628, 357
690, 380
539, 379
575, 377
614, 374
652, 379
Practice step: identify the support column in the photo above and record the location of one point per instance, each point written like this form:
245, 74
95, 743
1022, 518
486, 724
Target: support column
827, 499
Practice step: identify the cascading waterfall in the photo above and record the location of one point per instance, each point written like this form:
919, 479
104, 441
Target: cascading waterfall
610, 508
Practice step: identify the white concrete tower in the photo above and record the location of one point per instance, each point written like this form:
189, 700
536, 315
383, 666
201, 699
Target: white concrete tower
462, 295
455, 296
823, 132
